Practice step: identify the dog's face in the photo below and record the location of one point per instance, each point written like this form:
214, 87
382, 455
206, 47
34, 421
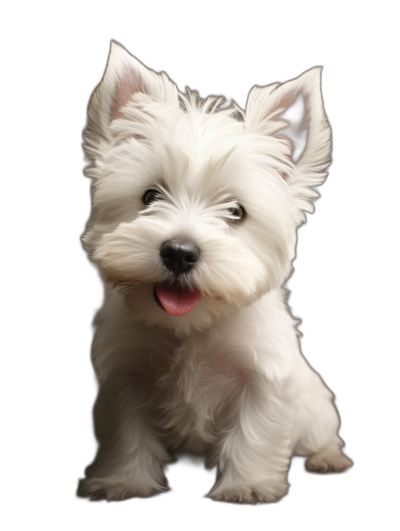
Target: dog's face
195, 209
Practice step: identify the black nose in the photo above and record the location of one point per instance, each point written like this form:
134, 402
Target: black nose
179, 256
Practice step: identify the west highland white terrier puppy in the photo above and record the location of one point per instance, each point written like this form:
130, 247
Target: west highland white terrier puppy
193, 227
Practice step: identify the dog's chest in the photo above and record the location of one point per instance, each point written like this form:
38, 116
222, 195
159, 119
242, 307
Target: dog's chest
202, 382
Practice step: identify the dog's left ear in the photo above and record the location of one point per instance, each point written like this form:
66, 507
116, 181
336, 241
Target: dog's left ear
265, 105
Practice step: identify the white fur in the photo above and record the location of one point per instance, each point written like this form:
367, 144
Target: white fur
226, 380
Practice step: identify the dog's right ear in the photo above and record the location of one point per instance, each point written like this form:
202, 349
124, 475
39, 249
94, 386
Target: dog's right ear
123, 77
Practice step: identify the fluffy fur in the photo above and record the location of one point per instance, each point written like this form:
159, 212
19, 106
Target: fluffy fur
227, 380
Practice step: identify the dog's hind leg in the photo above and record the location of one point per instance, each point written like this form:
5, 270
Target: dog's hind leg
328, 460
317, 426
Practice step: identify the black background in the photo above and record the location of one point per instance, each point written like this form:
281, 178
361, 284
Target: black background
215, 56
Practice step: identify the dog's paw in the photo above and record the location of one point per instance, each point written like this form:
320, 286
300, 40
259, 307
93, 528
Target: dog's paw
250, 494
98, 489
328, 461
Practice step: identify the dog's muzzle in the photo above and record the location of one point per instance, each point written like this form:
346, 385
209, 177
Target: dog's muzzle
179, 257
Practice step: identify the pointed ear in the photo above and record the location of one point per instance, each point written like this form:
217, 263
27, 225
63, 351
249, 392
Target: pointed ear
265, 104
123, 77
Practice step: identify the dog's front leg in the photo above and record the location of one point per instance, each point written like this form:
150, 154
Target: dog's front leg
129, 459
255, 452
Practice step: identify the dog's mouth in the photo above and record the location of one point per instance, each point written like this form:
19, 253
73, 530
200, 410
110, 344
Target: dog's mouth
175, 299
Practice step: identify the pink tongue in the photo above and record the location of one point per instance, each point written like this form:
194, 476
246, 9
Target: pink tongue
175, 299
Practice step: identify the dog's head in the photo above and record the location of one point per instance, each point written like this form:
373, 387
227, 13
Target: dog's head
195, 208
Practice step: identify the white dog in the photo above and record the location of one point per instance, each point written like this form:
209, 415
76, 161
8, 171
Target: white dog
193, 226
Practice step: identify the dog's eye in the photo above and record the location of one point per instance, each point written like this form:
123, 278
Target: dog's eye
151, 195
238, 213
